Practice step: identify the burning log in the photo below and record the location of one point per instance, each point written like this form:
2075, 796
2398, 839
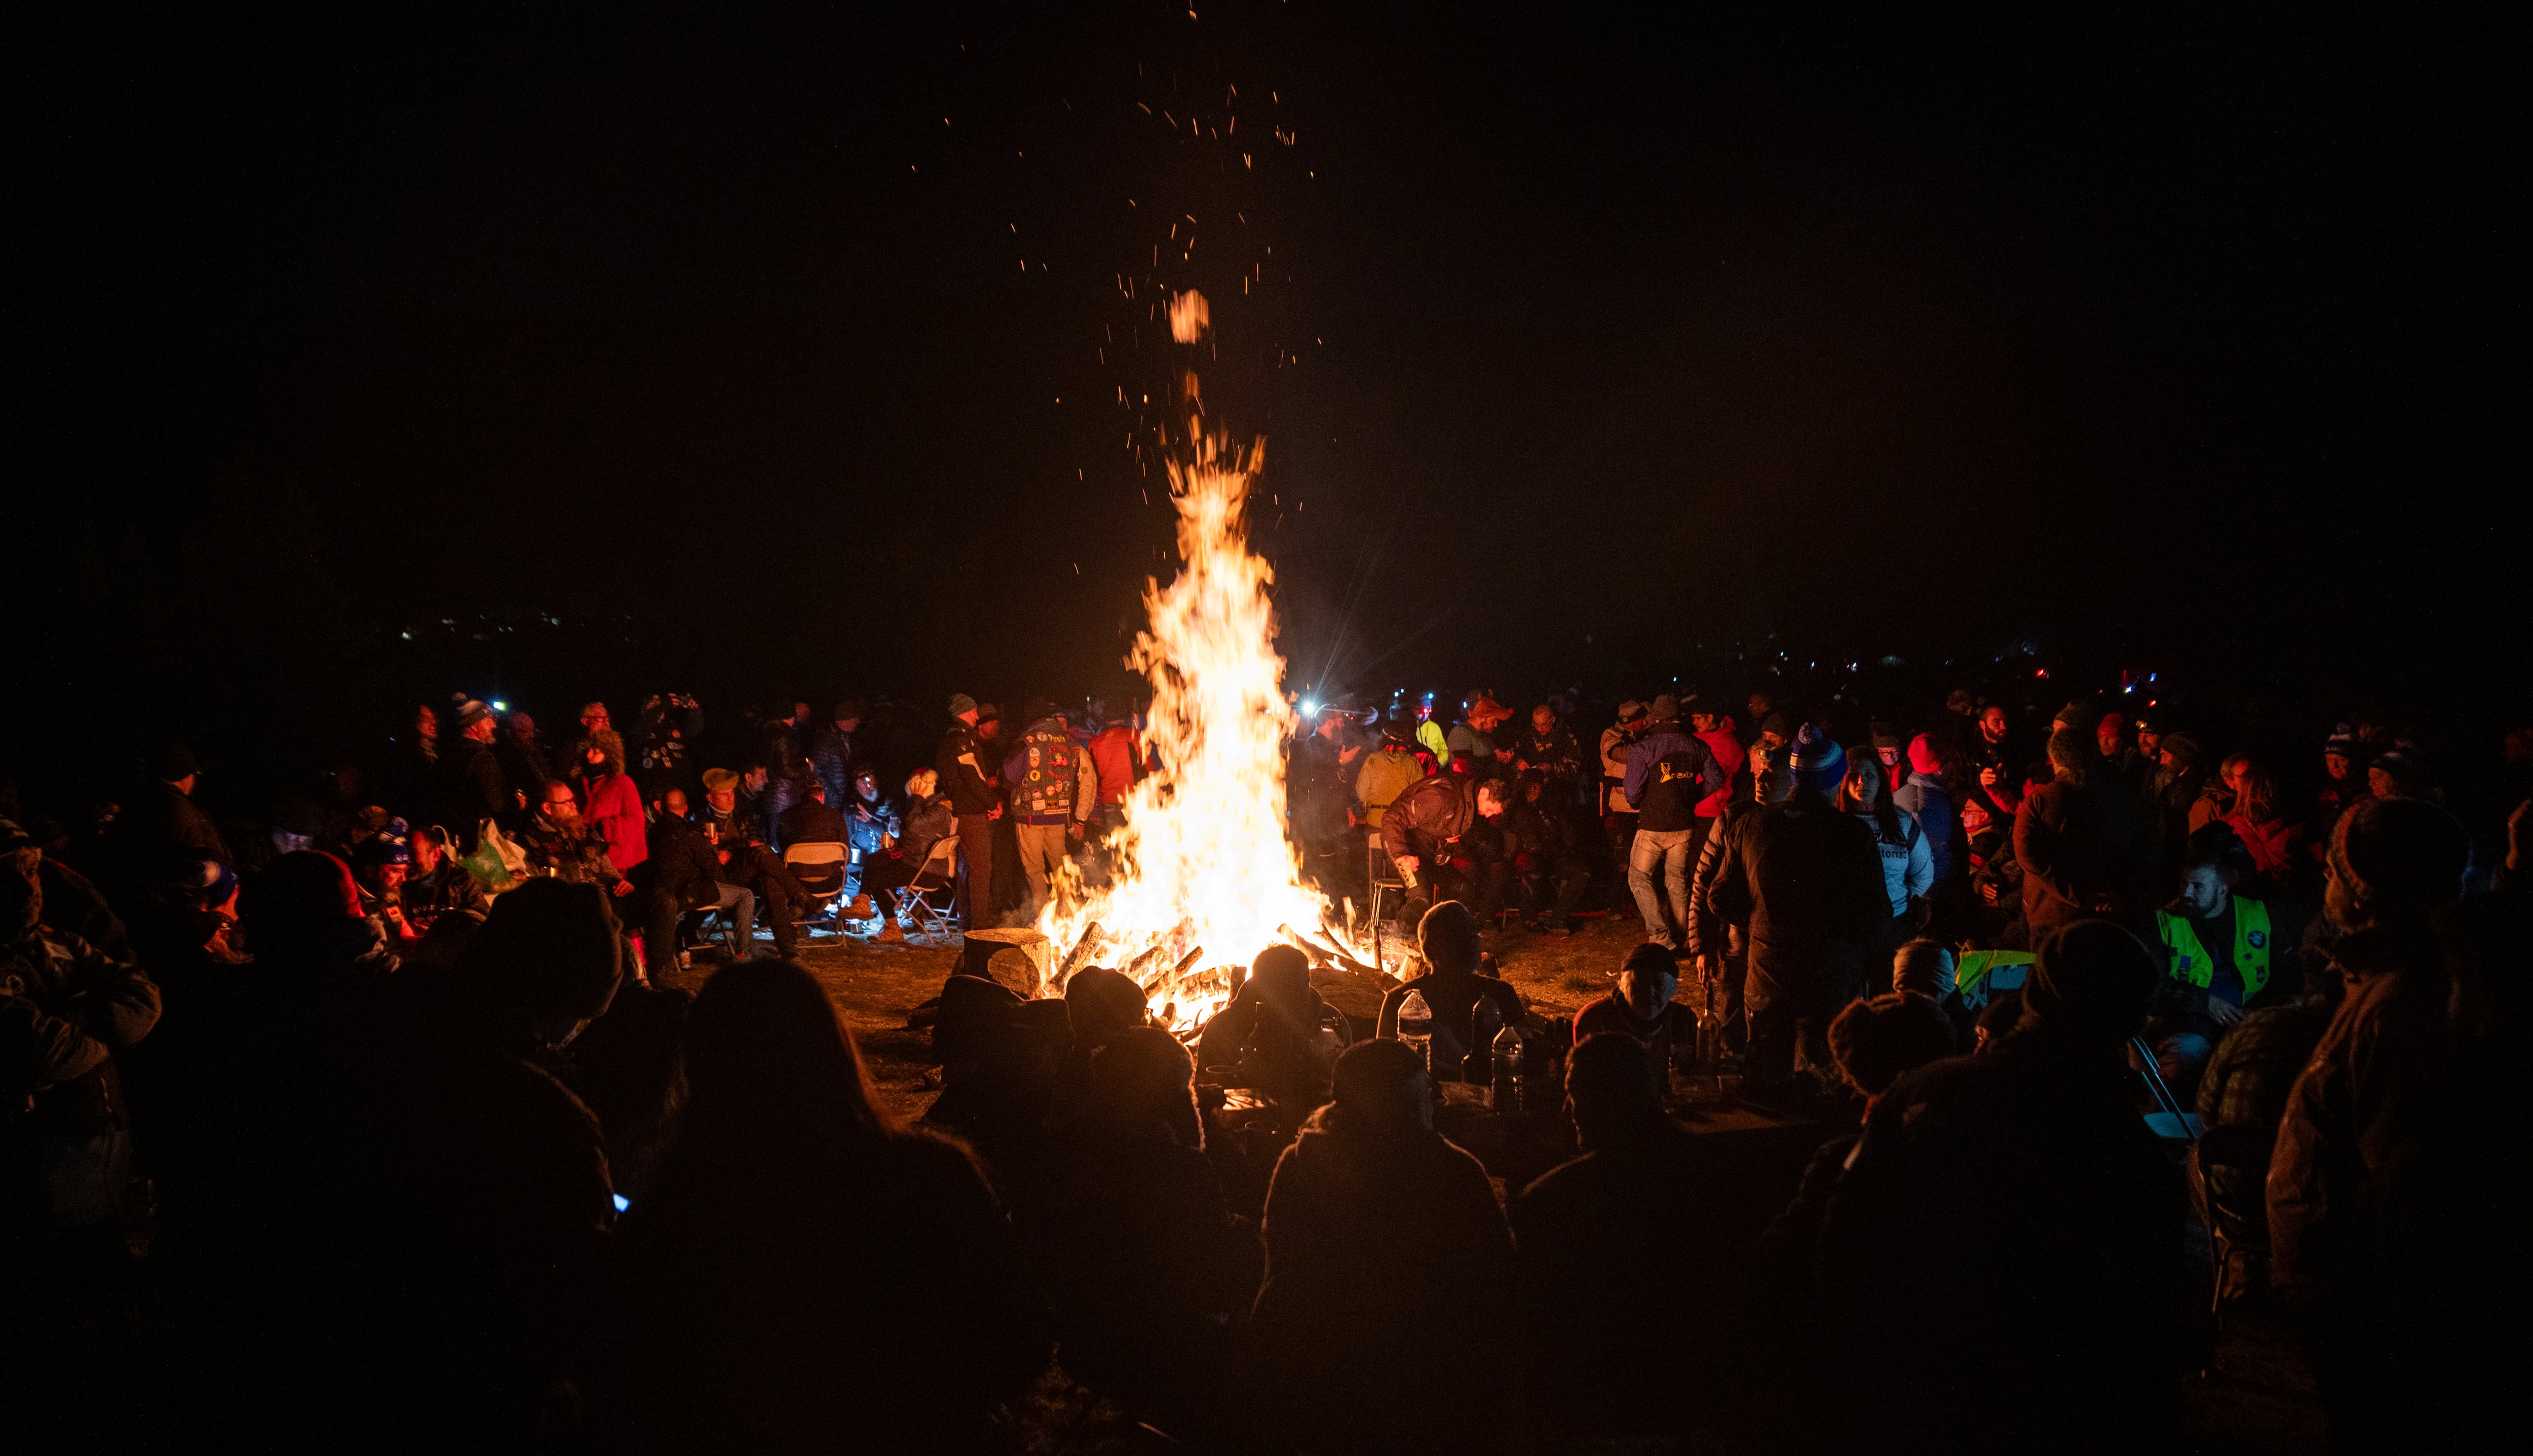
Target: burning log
1133, 970
1082, 950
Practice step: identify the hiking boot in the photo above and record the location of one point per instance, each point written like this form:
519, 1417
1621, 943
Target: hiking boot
891, 935
861, 909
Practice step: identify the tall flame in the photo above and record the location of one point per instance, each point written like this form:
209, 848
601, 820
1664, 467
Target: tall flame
1202, 876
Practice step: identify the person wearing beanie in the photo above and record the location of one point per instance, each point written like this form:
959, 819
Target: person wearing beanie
1472, 740
2344, 780
1381, 1324
2373, 1090
1805, 881
1641, 1007
2085, 1315
1469, 1006
966, 768
2087, 844
1669, 775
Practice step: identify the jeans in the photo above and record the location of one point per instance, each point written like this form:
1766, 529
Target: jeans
740, 901
976, 899
1671, 849
1619, 825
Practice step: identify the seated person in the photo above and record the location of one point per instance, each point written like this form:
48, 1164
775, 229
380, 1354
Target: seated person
378, 868
1269, 1036
1143, 1266
1381, 1324
1431, 835
738, 846
561, 845
680, 876
1642, 1007
1468, 1008
2243, 1099
873, 824
2217, 949
812, 822
1924, 967
1547, 856
929, 818
1600, 1247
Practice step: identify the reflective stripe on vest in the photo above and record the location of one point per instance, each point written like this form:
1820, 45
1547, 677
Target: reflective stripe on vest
2191, 961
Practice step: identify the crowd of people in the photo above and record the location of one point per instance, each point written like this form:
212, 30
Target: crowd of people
397, 1090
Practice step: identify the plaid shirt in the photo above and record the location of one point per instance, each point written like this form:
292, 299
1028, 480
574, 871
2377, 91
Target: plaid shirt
2248, 1077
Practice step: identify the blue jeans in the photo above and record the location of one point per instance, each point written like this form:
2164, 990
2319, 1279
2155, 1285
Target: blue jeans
1668, 848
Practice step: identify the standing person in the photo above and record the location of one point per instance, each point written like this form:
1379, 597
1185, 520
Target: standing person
1320, 777
1617, 811
830, 752
1472, 739
1998, 757
1927, 798
2370, 1099
670, 724
1379, 1327
1053, 788
472, 787
1715, 729
413, 774
164, 834
804, 1265
1669, 773
1432, 735
1546, 854
1908, 864
593, 717
975, 797
1112, 754
1808, 882
1718, 950
524, 759
609, 803
2252, 813
2085, 843
787, 767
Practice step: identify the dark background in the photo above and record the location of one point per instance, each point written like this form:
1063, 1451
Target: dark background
362, 358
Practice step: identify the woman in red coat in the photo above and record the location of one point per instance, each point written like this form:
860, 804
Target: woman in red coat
608, 803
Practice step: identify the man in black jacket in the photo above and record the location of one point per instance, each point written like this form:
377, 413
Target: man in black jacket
163, 835
746, 863
966, 775
1546, 852
1806, 880
682, 874
472, 785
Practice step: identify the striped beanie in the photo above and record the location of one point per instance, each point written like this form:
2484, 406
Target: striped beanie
1819, 764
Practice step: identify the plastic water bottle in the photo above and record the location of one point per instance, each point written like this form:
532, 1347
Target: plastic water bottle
1416, 1025
1507, 1070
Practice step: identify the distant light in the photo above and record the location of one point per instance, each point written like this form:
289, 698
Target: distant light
622, 1203
500, 706
1310, 709
2132, 688
2150, 678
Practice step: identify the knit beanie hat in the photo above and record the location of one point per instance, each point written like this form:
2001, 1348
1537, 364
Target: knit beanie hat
1819, 764
2343, 742
392, 845
2405, 856
14, 838
1652, 956
1666, 709
1921, 756
2183, 747
472, 712
2093, 978
207, 883
961, 703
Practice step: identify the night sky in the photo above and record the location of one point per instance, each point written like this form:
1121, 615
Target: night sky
784, 350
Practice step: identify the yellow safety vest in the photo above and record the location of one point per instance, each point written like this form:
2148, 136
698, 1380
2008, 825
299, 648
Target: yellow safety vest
2191, 961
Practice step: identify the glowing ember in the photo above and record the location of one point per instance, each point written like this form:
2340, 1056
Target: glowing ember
1204, 876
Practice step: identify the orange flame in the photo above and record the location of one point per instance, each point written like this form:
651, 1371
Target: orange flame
1201, 863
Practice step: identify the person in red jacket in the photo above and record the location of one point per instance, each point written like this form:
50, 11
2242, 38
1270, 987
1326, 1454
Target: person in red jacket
608, 803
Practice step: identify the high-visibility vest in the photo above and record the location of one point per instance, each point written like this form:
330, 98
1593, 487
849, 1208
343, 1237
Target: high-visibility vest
1430, 734
2191, 961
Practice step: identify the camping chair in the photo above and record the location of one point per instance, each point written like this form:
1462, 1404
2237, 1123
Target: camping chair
938, 876
819, 866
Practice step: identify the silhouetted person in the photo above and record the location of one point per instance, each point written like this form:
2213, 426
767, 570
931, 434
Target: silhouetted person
807, 1275
1612, 1245
1380, 1326
474, 1194
2085, 842
2376, 1083
1270, 1031
1143, 1266
1468, 1008
2017, 1206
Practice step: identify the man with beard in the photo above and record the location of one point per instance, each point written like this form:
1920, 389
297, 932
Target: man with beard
746, 863
561, 845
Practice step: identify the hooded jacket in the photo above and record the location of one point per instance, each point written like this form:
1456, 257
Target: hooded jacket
960, 764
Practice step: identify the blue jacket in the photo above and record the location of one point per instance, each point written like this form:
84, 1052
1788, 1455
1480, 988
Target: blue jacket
1930, 801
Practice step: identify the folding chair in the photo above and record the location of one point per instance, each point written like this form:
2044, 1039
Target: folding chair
939, 875
819, 866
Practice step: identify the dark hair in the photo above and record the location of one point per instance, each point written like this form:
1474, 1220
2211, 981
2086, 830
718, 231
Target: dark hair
1140, 1074
1608, 1075
1868, 765
2070, 752
1373, 1078
1874, 1041
770, 1069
